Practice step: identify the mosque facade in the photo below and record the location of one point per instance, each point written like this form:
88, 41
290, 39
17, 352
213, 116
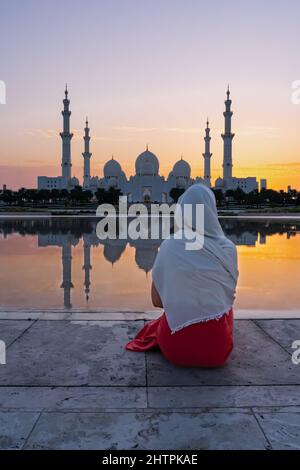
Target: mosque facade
146, 185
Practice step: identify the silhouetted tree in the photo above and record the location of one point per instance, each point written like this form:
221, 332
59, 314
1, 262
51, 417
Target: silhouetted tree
110, 196
100, 195
113, 195
44, 195
80, 196
237, 195
271, 196
175, 193
8, 196
219, 196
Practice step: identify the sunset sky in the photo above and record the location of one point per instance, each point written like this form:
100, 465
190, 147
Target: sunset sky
150, 72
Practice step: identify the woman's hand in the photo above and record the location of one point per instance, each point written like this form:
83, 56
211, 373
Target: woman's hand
156, 300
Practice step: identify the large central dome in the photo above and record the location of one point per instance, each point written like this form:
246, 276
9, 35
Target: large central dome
147, 164
112, 168
182, 169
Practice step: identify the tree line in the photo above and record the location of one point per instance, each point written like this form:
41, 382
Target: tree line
75, 196
254, 198
80, 196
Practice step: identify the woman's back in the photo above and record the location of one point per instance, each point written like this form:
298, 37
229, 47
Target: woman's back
196, 288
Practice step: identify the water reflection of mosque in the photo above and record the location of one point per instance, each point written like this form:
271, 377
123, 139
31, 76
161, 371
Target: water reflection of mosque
145, 250
68, 233
145, 254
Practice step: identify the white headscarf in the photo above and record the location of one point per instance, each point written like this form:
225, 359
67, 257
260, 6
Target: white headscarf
197, 285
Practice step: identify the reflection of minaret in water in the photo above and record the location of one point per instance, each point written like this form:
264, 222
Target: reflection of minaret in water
86, 265
67, 272
291, 233
262, 238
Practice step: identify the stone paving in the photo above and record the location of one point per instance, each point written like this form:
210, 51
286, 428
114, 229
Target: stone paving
70, 384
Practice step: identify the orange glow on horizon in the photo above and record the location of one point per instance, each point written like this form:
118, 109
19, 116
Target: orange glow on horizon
264, 152
279, 176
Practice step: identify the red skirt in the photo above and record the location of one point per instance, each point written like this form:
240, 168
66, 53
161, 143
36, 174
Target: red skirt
205, 344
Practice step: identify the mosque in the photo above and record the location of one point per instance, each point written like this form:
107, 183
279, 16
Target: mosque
147, 185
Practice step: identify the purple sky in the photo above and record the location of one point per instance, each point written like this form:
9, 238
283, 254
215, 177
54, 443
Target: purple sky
150, 72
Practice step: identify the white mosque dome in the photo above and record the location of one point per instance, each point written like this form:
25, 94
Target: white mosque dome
181, 169
219, 183
74, 182
112, 168
199, 180
147, 164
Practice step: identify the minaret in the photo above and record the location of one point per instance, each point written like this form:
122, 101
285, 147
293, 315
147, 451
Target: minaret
86, 265
227, 138
66, 139
86, 157
207, 156
67, 272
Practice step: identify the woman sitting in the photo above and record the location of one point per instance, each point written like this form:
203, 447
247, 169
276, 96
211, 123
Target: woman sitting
196, 289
